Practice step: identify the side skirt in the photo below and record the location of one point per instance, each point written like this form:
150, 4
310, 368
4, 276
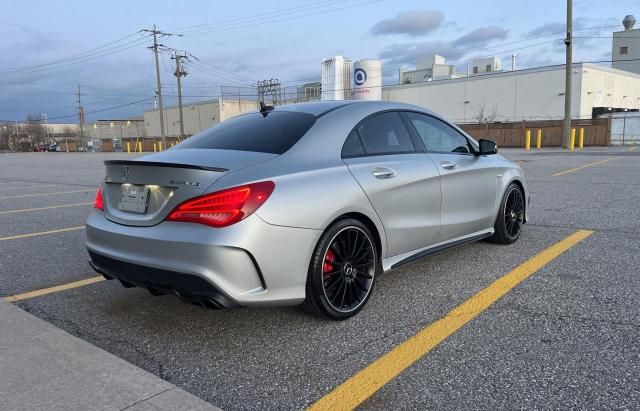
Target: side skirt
397, 261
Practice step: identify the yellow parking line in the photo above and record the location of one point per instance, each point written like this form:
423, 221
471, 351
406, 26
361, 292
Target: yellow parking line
61, 230
633, 148
571, 170
368, 381
48, 194
24, 210
25, 187
50, 290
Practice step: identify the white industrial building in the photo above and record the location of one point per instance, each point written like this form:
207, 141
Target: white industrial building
486, 65
536, 93
626, 47
429, 68
197, 116
336, 78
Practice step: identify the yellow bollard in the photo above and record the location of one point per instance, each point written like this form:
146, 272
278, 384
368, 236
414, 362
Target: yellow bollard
527, 141
539, 139
154, 147
140, 146
128, 147
581, 138
160, 145
572, 142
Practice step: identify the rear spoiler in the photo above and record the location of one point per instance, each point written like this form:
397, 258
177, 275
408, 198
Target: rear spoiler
160, 164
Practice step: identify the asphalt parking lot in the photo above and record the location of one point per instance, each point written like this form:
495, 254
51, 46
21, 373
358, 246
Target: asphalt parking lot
566, 336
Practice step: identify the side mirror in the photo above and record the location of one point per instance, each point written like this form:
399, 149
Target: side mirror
487, 147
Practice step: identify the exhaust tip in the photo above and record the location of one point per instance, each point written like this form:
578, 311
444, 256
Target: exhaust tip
155, 291
126, 284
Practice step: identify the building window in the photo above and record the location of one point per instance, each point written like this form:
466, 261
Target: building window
488, 67
475, 69
624, 50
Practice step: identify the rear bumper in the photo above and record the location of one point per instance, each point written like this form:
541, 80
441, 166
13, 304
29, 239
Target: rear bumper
189, 288
249, 263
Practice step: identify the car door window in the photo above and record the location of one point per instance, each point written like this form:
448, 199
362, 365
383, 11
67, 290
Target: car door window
437, 136
385, 133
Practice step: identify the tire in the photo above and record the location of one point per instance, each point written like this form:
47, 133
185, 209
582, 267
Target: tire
510, 217
342, 271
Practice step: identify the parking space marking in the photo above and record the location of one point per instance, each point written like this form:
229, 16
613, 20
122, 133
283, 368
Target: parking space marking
24, 188
50, 290
24, 210
48, 194
633, 148
571, 170
376, 375
61, 230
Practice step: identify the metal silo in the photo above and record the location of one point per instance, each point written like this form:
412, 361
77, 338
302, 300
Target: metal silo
336, 78
367, 79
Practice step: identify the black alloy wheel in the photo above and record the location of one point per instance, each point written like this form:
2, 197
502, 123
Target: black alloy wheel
348, 269
510, 218
342, 272
514, 213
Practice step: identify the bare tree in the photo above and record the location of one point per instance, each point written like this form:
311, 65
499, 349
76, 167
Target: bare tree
484, 115
5, 137
34, 131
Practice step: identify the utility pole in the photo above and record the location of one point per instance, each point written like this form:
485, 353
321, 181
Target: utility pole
179, 73
80, 115
566, 127
157, 33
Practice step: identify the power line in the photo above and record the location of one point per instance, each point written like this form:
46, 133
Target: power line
93, 56
257, 23
73, 56
249, 19
95, 111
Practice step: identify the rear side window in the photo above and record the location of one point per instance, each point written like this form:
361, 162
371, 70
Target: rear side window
352, 146
274, 133
385, 133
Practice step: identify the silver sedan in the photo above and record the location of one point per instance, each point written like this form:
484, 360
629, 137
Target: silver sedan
306, 203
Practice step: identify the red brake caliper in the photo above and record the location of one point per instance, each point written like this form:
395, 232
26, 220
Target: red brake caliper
327, 267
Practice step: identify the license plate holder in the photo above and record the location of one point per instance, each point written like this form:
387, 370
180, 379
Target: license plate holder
133, 198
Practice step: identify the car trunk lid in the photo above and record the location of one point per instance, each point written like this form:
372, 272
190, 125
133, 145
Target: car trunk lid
143, 191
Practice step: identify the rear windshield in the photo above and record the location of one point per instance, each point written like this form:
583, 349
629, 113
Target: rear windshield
274, 133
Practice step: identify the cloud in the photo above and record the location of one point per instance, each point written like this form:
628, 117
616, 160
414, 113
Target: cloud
407, 53
546, 29
412, 23
480, 37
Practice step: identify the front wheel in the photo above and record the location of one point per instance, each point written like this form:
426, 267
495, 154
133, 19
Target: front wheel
510, 216
342, 271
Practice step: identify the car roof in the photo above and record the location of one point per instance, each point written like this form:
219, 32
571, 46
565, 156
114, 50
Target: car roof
316, 108
320, 108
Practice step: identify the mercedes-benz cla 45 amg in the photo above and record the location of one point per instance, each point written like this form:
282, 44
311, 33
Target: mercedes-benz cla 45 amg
306, 203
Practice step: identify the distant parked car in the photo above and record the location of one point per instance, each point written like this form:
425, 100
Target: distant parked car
53, 147
40, 148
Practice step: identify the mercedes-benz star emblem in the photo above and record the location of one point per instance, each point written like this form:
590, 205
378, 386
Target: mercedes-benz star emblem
124, 172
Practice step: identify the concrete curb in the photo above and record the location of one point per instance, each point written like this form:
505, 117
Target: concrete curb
43, 367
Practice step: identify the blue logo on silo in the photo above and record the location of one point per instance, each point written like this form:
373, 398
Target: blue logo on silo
359, 76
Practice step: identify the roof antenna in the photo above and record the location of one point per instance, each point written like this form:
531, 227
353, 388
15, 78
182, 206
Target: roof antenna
264, 109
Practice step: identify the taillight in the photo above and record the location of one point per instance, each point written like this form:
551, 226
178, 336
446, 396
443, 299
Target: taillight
223, 208
97, 203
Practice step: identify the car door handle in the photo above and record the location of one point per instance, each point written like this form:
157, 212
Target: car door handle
383, 173
448, 165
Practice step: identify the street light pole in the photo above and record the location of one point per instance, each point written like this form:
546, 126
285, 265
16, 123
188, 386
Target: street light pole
566, 127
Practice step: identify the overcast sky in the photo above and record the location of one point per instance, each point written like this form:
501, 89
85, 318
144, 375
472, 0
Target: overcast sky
48, 48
